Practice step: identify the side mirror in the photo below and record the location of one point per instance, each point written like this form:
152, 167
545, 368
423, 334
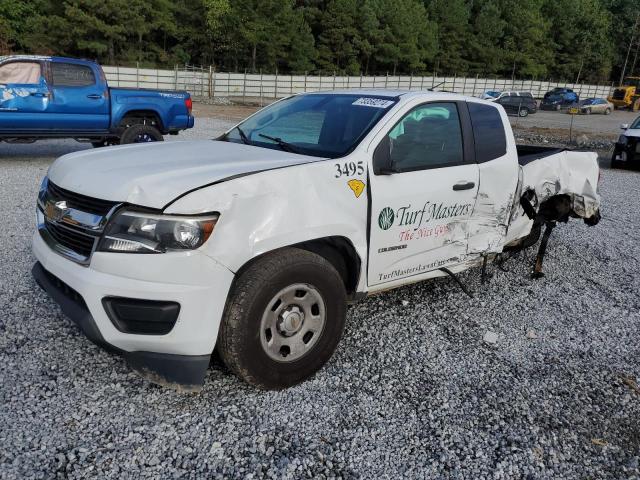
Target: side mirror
624, 126
382, 163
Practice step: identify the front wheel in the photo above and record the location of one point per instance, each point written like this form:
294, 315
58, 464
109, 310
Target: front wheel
523, 112
141, 134
607, 111
615, 163
283, 319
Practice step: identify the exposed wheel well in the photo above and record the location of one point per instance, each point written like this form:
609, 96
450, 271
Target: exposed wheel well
141, 117
338, 251
341, 253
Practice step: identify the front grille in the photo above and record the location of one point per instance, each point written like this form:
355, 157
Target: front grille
72, 239
71, 223
80, 202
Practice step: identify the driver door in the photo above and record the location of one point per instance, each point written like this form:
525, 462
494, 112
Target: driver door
420, 209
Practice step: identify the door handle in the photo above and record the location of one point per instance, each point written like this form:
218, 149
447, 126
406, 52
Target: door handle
94, 96
463, 186
39, 94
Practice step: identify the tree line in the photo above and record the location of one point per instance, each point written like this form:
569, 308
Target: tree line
572, 40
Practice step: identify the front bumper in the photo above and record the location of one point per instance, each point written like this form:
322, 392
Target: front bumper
195, 281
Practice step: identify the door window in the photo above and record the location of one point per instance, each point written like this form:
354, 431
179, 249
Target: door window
427, 137
24, 73
72, 75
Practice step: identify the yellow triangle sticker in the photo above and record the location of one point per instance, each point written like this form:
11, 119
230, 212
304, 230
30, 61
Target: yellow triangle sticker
357, 186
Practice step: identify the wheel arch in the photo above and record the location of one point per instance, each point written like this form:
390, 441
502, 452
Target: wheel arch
140, 116
337, 250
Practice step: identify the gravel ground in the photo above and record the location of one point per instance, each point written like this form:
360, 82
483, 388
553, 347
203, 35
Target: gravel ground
590, 124
414, 390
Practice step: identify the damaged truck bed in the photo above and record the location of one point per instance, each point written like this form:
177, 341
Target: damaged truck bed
254, 242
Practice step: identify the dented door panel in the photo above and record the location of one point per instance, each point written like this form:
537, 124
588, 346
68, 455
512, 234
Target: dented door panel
22, 105
490, 218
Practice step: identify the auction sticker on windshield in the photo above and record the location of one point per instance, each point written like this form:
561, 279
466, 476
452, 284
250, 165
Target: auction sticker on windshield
373, 102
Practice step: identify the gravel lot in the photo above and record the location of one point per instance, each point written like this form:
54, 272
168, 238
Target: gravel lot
413, 390
602, 125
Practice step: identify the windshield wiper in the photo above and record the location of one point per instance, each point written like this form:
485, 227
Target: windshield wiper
243, 136
286, 146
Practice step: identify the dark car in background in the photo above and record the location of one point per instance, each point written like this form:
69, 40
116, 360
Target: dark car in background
559, 99
626, 152
521, 105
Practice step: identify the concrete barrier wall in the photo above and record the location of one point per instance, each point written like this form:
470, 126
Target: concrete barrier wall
207, 83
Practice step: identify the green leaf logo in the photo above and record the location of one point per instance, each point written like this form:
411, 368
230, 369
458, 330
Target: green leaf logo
385, 219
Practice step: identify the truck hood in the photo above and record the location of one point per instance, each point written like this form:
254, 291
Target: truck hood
152, 175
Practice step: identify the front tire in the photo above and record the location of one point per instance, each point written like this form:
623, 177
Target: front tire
141, 134
283, 319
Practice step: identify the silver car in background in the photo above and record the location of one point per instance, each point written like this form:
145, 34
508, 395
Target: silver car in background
595, 105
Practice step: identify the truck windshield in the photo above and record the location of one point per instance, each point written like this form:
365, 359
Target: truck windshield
322, 125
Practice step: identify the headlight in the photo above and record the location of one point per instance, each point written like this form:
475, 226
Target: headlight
622, 140
137, 232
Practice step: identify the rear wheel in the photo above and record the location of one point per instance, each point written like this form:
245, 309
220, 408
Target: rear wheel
558, 108
283, 319
587, 111
141, 134
523, 112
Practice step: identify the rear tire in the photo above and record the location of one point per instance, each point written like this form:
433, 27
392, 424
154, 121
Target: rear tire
607, 111
141, 134
523, 112
587, 111
286, 302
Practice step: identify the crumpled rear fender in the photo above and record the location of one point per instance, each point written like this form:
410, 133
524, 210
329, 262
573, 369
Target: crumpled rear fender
571, 174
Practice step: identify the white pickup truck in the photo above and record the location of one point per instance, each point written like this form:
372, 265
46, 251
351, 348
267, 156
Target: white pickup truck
254, 243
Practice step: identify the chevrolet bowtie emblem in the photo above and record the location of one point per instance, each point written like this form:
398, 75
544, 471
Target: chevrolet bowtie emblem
55, 211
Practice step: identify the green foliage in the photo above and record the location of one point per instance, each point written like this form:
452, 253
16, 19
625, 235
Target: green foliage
574, 40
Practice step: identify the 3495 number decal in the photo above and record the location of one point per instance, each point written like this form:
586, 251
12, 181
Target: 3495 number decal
349, 169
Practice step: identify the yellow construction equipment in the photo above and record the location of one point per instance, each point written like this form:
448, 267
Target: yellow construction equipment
627, 95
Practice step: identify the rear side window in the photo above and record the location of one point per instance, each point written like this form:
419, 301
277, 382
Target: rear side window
71, 75
488, 132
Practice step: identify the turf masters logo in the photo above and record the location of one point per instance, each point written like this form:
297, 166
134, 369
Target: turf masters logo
407, 216
386, 217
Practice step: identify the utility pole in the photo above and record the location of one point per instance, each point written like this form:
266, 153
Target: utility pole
635, 58
633, 36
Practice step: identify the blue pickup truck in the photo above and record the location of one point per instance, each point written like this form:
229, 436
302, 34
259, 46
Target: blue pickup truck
54, 97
